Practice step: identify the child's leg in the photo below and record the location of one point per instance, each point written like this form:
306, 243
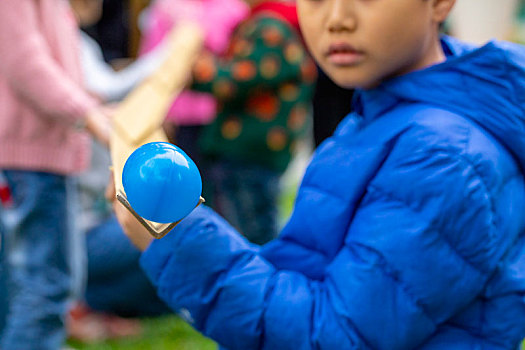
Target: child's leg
3, 278
246, 195
258, 189
37, 246
116, 283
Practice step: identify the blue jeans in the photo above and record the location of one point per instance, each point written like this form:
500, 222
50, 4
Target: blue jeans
245, 195
3, 280
38, 262
116, 283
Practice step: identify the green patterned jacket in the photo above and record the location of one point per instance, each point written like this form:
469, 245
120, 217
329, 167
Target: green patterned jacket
264, 87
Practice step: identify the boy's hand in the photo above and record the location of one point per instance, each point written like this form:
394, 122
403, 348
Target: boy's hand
137, 234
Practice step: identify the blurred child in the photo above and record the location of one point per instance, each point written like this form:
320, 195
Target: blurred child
218, 19
408, 231
114, 278
263, 86
46, 118
241, 158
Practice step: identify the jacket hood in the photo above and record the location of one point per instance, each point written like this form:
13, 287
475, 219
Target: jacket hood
485, 84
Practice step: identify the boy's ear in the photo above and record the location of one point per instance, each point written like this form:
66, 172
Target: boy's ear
442, 9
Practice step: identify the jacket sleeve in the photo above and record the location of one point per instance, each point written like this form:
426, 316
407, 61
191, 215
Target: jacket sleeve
418, 250
30, 69
112, 86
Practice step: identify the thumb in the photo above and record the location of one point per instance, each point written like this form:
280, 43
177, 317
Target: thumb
111, 191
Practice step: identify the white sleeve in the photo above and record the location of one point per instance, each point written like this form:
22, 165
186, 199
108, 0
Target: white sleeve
113, 85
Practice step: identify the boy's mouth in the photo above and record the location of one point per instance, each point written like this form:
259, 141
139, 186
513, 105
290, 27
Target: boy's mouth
343, 54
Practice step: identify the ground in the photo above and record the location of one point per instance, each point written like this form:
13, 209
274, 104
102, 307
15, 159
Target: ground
163, 333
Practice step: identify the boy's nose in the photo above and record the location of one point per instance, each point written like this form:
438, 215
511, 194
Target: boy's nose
341, 16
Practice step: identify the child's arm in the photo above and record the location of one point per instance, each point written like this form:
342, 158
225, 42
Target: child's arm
263, 56
415, 255
112, 86
30, 69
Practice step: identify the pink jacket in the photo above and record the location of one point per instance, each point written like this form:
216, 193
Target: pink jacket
218, 18
41, 98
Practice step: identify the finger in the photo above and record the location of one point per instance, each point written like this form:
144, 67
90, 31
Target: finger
111, 192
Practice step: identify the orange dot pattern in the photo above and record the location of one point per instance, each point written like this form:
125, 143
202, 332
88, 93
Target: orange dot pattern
231, 128
264, 106
205, 70
308, 71
244, 70
297, 117
242, 48
270, 66
223, 88
289, 92
272, 36
294, 53
277, 139
263, 85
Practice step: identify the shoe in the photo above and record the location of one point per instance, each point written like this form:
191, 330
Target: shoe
119, 327
84, 325
89, 326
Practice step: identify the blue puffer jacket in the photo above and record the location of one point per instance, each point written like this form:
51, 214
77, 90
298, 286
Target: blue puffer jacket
408, 231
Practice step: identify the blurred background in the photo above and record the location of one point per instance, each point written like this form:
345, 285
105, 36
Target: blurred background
119, 35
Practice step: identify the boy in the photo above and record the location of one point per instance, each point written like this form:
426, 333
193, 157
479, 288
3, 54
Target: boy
46, 120
408, 230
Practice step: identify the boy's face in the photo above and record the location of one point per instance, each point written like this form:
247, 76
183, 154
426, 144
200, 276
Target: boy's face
358, 43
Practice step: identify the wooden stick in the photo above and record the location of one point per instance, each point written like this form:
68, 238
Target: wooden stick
139, 117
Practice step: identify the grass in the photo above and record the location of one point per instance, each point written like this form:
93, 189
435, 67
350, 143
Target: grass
163, 333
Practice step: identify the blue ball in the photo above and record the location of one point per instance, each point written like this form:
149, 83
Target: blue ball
161, 182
